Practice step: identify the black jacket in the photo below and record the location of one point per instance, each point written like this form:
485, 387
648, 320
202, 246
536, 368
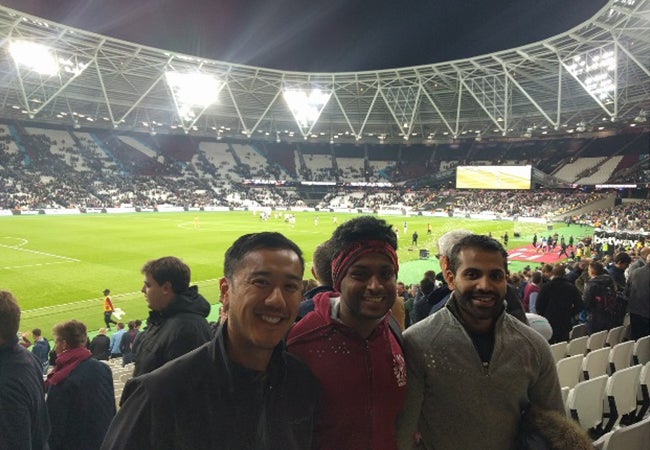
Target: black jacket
599, 291
172, 332
81, 407
24, 423
203, 400
559, 300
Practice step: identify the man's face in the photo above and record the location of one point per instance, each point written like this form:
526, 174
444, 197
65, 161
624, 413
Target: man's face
368, 289
158, 296
400, 288
479, 284
262, 299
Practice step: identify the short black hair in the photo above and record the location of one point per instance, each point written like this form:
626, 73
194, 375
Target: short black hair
622, 258
254, 241
477, 241
364, 228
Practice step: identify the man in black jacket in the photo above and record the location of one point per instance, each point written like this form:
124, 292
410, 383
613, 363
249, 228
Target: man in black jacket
177, 322
560, 302
24, 423
241, 390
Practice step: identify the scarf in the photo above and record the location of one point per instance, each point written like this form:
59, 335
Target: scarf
352, 252
66, 362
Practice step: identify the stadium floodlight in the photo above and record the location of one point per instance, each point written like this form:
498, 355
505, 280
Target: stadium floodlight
36, 57
306, 105
596, 70
193, 90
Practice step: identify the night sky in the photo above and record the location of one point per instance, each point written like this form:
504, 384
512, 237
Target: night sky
321, 36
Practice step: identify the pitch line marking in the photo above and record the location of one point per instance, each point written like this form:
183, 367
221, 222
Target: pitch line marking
99, 300
36, 252
27, 266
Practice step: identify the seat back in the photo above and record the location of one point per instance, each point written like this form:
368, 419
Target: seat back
568, 370
621, 392
632, 437
641, 351
615, 336
621, 356
559, 350
585, 402
643, 395
595, 363
578, 331
596, 340
577, 346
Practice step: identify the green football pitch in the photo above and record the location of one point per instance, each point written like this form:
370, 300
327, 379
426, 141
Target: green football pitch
58, 266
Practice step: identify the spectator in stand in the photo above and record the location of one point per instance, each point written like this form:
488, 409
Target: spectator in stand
531, 291
321, 269
177, 321
350, 328
80, 396
436, 300
598, 299
616, 269
452, 354
127, 344
115, 341
100, 346
41, 349
637, 291
24, 423
242, 390
560, 302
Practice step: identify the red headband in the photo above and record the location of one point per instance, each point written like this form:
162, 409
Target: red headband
350, 254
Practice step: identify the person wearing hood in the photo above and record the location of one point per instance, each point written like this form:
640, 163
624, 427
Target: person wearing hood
351, 343
177, 321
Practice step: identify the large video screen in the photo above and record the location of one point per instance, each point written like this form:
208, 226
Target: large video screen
493, 177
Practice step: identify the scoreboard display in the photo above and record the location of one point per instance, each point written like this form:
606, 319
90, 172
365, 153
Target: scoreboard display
494, 177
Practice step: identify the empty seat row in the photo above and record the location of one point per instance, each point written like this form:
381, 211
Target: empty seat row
601, 403
586, 344
604, 361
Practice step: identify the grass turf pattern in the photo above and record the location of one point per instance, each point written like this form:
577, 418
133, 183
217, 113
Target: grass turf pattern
58, 266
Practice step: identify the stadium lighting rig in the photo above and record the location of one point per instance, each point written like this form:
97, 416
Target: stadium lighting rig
42, 59
306, 105
192, 91
596, 70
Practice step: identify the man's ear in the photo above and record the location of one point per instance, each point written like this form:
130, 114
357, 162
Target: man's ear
444, 266
224, 293
313, 272
450, 279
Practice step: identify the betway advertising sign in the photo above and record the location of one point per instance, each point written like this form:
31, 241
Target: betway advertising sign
615, 239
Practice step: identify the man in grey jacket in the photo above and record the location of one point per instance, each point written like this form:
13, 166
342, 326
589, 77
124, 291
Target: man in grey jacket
472, 368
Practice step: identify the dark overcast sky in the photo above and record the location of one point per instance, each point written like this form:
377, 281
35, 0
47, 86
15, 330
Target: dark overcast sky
325, 35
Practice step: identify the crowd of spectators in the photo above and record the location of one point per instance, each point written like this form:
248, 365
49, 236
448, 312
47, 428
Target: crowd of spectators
81, 173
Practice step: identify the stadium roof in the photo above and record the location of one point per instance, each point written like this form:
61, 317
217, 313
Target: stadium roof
595, 75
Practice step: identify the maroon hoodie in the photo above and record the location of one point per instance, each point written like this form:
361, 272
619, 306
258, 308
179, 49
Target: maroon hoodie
363, 381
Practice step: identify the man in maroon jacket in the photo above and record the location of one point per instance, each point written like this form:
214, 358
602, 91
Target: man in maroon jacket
350, 345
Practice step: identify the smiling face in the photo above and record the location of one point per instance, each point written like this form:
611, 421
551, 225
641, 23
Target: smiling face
261, 300
479, 286
368, 291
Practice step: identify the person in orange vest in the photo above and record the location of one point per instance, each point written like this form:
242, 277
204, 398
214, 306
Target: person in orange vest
108, 309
